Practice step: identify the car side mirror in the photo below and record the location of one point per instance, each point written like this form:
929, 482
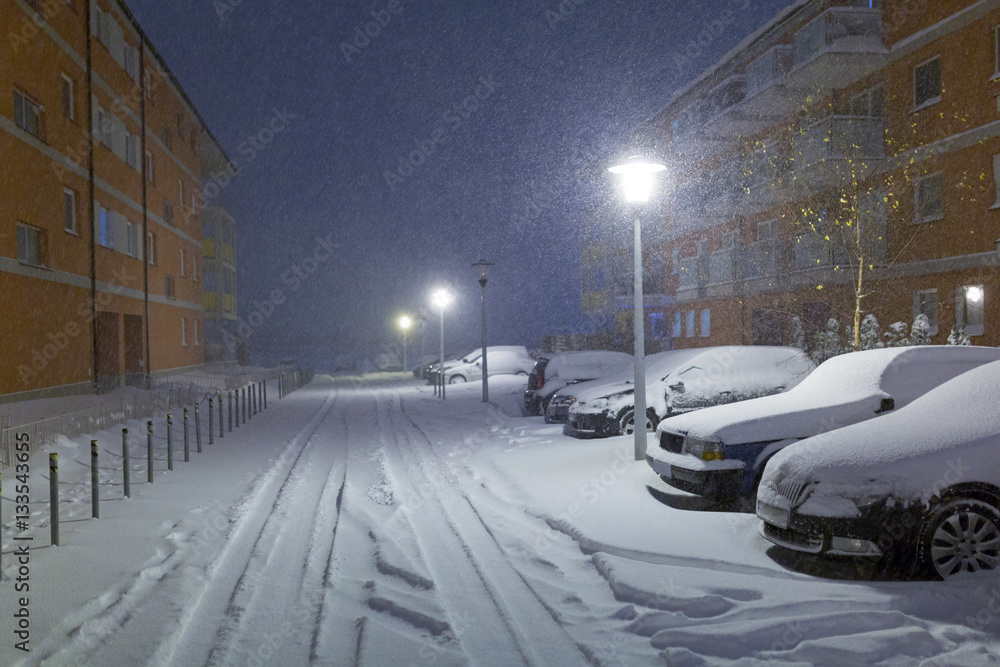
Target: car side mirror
477, 364
679, 387
887, 405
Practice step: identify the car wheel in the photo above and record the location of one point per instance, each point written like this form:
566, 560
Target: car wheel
961, 536
627, 423
456, 379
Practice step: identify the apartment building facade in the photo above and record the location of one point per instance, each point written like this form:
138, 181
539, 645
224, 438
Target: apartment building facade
847, 153
100, 222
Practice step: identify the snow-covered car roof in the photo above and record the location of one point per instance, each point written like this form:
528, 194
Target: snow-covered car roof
950, 434
843, 390
589, 364
658, 366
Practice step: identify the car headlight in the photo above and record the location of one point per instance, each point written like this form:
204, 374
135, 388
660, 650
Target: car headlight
597, 403
706, 450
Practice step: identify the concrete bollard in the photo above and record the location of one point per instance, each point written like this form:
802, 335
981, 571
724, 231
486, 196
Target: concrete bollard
230, 411
95, 496
170, 441
211, 421
149, 451
126, 470
54, 498
264, 389
221, 434
244, 405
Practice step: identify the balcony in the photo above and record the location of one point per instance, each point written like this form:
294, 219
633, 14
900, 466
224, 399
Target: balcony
727, 119
720, 267
690, 141
762, 259
763, 179
838, 150
838, 47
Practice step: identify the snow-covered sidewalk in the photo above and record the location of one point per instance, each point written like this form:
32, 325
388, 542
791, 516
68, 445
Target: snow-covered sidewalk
363, 521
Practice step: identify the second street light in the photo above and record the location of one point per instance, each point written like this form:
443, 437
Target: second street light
405, 322
638, 176
441, 299
483, 267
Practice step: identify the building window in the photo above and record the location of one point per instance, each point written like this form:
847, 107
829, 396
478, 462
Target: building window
165, 138
133, 234
969, 309
194, 268
689, 324
927, 83
194, 330
180, 193
132, 62
68, 98
27, 114
180, 126
184, 341
168, 287
677, 325
30, 245
928, 194
149, 87
168, 213
996, 52
925, 302
105, 228
69, 210
183, 263
151, 248
657, 328
869, 104
706, 323
132, 148
150, 167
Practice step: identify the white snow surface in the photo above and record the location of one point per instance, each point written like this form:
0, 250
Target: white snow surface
948, 436
362, 521
844, 390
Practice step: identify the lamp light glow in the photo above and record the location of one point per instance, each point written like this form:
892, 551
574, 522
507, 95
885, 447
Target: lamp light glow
405, 322
974, 293
441, 298
637, 178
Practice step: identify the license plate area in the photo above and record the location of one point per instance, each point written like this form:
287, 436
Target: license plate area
776, 516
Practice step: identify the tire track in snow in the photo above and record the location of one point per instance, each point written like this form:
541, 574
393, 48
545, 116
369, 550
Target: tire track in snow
195, 640
468, 557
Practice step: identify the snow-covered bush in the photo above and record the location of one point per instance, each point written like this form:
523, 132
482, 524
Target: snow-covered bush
898, 335
826, 343
958, 336
920, 334
796, 334
871, 339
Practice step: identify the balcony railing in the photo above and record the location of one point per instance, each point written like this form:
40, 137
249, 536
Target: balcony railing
839, 137
762, 259
840, 30
687, 273
770, 69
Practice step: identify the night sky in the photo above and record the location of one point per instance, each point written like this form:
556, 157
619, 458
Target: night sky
505, 102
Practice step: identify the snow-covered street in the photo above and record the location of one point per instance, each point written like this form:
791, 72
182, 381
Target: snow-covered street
363, 521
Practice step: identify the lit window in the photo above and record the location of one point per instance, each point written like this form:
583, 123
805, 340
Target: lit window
69, 210
677, 325
969, 309
656, 325
106, 228
706, 323
927, 83
928, 194
689, 324
30, 245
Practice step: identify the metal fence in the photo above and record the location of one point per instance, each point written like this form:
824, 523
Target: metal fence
97, 418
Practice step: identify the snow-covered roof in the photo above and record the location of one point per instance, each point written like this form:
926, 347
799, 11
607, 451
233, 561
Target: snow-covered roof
590, 364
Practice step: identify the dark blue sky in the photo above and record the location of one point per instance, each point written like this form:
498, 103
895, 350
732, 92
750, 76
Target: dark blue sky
554, 89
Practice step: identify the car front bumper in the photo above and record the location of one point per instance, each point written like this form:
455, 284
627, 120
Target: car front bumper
558, 414
704, 478
877, 529
589, 424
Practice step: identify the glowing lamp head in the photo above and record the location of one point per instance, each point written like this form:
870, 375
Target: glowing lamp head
441, 298
974, 294
638, 176
405, 322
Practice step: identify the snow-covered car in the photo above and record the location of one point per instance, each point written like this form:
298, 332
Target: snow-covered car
686, 380
501, 359
920, 486
721, 451
560, 402
570, 368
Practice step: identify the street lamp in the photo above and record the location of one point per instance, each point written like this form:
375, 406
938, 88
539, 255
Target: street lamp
441, 299
405, 323
638, 176
483, 267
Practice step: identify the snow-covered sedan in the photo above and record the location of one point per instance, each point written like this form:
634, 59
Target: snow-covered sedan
920, 486
722, 451
686, 380
569, 368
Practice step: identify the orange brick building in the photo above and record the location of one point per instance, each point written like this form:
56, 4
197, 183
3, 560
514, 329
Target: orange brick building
837, 116
100, 187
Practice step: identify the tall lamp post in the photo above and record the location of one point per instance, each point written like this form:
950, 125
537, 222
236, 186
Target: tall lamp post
405, 322
637, 179
441, 299
483, 267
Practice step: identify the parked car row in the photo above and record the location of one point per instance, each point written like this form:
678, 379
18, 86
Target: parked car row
500, 359
891, 453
